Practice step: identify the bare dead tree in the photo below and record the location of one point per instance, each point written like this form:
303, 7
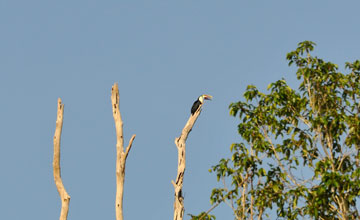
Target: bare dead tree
65, 198
120, 154
180, 143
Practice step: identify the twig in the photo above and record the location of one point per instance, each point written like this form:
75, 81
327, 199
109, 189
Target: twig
208, 211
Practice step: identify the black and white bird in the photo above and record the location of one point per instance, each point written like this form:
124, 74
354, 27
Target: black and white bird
199, 102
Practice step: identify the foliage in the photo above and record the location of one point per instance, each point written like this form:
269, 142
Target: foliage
202, 216
300, 150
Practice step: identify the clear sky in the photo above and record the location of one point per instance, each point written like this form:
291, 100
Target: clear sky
163, 54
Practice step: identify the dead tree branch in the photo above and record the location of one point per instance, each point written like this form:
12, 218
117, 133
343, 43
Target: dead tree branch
121, 155
178, 184
65, 198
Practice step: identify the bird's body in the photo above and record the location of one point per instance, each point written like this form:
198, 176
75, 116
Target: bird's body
199, 102
195, 106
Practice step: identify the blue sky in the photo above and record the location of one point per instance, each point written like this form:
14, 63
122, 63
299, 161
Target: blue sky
163, 54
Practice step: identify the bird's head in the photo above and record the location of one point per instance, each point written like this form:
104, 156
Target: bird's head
205, 97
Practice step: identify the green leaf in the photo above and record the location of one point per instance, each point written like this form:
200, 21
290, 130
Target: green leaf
283, 136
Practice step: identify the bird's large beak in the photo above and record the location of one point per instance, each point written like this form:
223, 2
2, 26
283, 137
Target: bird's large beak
208, 97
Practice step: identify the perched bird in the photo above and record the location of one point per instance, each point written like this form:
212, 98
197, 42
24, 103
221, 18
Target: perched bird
199, 102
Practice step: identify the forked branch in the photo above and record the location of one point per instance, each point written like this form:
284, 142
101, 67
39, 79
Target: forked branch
120, 154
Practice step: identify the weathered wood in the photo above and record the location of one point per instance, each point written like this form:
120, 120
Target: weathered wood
64, 196
180, 143
120, 154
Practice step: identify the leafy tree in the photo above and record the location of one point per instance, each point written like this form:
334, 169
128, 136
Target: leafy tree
300, 150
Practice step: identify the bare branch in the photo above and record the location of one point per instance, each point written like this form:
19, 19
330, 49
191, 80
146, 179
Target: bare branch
208, 211
120, 154
129, 146
115, 99
65, 198
180, 144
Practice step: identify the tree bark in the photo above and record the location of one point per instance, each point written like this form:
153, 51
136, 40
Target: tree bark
180, 143
120, 154
65, 198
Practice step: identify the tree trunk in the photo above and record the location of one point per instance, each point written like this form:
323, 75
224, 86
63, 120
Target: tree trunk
120, 154
65, 198
180, 143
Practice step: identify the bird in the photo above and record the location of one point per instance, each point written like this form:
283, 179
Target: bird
199, 102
